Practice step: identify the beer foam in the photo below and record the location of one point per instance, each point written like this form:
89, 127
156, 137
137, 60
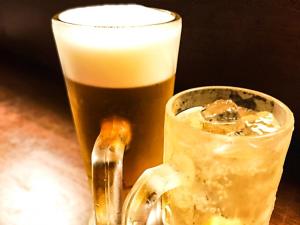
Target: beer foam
117, 46
116, 15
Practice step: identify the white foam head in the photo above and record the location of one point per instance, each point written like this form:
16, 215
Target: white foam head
116, 15
117, 45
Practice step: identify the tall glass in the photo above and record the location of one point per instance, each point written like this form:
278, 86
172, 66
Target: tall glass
119, 64
213, 179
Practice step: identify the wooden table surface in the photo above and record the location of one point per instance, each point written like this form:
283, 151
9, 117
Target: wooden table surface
42, 179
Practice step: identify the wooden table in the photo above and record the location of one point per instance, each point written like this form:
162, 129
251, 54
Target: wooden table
42, 179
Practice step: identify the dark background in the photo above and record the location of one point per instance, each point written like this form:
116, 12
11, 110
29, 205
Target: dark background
248, 43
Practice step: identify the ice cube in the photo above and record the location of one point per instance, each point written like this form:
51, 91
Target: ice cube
260, 123
245, 111
225, 117
193, 116
222, 117
223, 128
221, 111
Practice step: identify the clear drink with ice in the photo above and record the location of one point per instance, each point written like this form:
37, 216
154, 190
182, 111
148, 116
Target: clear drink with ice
228, 181
224, 152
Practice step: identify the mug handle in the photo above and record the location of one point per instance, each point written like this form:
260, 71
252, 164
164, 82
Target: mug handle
107, 169
146, 192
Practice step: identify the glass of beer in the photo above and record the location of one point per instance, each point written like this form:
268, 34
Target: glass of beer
119, 64
223, 158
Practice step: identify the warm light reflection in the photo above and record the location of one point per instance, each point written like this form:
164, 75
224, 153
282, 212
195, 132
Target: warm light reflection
35, 193
221, 149
154, 217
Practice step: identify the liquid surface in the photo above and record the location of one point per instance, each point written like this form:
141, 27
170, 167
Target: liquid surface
225, 117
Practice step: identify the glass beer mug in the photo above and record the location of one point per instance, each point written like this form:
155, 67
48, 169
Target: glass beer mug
224, 152
119, 64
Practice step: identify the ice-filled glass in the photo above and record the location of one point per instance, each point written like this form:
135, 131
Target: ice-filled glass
223, 158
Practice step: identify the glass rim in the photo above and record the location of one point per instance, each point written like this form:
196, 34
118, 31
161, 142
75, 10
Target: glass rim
56, 18
286, 126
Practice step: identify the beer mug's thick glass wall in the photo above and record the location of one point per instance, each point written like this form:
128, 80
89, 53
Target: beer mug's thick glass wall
209, 178
119, 64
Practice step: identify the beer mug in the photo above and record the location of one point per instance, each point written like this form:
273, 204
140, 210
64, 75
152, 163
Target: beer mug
223, 159
119, 64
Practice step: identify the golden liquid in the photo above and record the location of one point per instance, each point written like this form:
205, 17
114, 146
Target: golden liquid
143, 107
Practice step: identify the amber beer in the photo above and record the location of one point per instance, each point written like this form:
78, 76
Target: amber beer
119, 61
143, 107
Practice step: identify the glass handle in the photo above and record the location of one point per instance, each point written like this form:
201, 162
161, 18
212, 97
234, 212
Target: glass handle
107, 170
146, 192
